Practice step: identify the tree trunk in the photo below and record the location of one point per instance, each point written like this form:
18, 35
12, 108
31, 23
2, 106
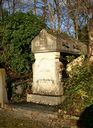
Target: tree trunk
44, 10
1, 9
14, 4
58, 14
35, 7
9, 6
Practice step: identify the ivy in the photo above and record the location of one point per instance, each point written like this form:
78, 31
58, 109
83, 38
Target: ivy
19, 30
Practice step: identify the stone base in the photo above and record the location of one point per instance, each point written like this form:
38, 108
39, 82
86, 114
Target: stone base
47, 100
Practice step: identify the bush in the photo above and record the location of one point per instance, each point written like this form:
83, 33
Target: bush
79, 89
19, 30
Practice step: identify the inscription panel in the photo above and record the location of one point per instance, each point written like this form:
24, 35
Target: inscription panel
44, 76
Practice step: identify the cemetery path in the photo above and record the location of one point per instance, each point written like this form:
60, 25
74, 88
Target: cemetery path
33, 116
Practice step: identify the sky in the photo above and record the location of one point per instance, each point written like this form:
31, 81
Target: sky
28, 5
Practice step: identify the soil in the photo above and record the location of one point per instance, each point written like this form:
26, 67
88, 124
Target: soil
34, 116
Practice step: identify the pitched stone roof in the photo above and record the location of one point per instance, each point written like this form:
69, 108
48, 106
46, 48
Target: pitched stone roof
48, 41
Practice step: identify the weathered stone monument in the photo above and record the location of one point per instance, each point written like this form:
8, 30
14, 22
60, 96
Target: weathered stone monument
48, 49
3, 92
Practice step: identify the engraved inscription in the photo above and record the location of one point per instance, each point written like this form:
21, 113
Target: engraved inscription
45, 81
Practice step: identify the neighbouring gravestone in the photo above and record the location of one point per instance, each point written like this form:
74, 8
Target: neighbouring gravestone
47, 85
3, 92
76, 62
91, 41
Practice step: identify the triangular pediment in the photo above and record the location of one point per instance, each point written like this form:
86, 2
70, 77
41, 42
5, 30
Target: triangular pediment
46, 42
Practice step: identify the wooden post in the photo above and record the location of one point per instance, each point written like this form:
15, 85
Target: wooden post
3, 92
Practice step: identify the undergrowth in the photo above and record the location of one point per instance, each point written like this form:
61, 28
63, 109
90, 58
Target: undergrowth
79, 89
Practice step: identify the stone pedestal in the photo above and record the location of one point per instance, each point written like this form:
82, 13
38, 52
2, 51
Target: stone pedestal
47, 75
3, 92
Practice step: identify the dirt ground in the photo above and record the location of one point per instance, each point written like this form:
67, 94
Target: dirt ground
33, 116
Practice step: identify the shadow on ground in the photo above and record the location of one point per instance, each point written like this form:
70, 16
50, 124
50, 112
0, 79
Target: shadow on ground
86, 118
36, 107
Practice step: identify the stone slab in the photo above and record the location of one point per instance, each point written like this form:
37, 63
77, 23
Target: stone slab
43, 99
46, 42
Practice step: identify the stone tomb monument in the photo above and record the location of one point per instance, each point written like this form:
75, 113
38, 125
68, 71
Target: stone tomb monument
47, 85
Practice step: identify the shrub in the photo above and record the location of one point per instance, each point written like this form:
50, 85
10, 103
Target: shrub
19, 30
79, 89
